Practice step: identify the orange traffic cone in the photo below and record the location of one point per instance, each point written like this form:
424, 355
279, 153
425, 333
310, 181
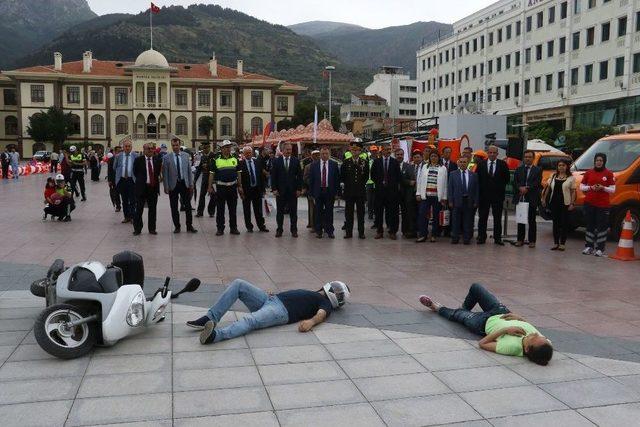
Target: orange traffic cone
625, 246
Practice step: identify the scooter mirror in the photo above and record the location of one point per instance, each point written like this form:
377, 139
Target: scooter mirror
192, 285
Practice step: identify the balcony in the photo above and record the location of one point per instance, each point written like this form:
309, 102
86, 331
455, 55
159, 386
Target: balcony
154, 105
153, 136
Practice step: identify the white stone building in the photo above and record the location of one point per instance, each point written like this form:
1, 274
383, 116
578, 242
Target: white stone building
400, 91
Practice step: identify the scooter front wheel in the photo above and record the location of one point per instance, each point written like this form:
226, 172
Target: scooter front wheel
57, 338
37, 287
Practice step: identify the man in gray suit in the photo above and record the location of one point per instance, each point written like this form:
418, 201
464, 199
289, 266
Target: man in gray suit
178, 182
125, 180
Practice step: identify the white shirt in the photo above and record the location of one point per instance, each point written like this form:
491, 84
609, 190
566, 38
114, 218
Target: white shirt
146, 165
489, 164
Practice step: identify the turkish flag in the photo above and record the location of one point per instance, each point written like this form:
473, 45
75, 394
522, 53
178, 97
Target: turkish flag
155, 9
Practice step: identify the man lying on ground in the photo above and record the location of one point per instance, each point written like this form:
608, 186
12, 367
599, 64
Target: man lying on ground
504, 332
299, 305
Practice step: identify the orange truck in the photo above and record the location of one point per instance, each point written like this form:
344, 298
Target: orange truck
623, 159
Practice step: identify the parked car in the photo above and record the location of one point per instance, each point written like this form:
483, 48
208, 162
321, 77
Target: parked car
42, 156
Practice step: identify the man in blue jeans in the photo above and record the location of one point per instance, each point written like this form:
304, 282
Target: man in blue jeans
299, 305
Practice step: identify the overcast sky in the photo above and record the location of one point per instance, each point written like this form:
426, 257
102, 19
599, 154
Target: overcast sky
367, 13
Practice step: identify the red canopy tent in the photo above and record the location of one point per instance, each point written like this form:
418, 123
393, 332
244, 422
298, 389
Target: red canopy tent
302, 136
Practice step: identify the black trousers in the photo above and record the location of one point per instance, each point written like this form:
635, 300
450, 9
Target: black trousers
462, 218
54, 166
402, 207
5, 170
311, 206
597, 220
357, 203
253, 198
182, 192
211, 207
386, 201
115, 197
150, 197
531, 219
125, 188
78, 177
289, 204
560, 218
226, 195
483, 213
371, 196
323, 213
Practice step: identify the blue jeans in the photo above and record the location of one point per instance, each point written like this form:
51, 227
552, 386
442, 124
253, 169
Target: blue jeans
475, 321
266, 310
424, 206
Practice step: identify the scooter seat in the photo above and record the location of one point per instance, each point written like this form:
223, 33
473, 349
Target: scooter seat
83, 280
111, 280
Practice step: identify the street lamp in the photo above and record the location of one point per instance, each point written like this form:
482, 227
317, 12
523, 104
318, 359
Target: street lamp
330, 69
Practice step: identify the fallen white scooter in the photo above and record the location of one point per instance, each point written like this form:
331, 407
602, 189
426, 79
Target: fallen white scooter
89, 304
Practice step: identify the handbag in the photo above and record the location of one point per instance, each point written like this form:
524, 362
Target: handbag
522, 212
444, 217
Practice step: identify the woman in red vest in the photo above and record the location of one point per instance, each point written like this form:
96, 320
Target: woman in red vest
597, 185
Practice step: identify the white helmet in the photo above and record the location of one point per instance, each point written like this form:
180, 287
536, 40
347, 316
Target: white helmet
357, 140
59, 177
72, 148
337, 292
225, 143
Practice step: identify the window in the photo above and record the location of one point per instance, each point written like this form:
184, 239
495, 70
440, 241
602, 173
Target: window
256, 125
507, 91
424, 87
97, 95
439, 82
548, 82
507, 61
490, 39
490, 95
536, 84
605, 32
508, 31
539, 52
527, 55
563, 10
9, 97
527, 86
498, 64
619, 71
122, 94
429, 62
499, 35
424, 64
122, 125
73, 95
475, 45
204, 98
591, 31
181, 99
575, 41
37, 93
604, 70
552, 14
446, 83
622, 26
490, 67
517, 60
497, 94
637, 21
453, 53
97, 125
151, 93
636, 62
181, 125
75, 125
577, 6
560, 79
226, 98
257, 99
591, 4
574, 76
563, 45
588, 73
466, 74
516, 89
550, 49
539, 19
481, 42
528, 24
440, 58
481, 70
10, 125
518, 28
446, 55
459, 51
202, 127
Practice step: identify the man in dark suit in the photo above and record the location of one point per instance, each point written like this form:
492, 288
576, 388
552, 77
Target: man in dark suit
463, 195
111, 178
354, 173
446, 160
146, 170
177, 179
386, 175
324, 182
252, 177
527, 182
493, 177
206, 160
286, 184
410, 204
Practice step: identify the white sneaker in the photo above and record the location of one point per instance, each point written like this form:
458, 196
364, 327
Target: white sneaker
599, 253
587, 251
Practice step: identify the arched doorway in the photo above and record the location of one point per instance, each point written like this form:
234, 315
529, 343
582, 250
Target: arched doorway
152, 126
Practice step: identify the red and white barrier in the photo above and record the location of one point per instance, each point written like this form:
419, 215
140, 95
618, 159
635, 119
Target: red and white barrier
28, 169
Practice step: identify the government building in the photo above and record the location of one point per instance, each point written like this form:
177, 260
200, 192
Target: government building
575, 63
147, 100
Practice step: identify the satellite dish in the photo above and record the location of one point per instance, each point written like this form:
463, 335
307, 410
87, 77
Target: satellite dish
460, 107
471, 107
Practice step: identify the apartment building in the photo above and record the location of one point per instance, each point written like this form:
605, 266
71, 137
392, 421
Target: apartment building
400, 91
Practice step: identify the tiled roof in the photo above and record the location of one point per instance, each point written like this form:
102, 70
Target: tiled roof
371, 98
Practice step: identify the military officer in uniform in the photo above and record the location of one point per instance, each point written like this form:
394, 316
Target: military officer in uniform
224, 173
206, 159
355, 173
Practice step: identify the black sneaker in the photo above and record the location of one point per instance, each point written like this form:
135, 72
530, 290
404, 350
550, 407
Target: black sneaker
208, 334
198, 323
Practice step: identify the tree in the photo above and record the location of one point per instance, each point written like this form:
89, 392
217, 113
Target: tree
304, 111
583, 138
53, 125
206, 125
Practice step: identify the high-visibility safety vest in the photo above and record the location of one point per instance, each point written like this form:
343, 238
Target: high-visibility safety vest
75, 159
226, 170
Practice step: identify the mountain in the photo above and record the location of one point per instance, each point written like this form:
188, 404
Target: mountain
192, 34
386, 46
25, 25
316, 29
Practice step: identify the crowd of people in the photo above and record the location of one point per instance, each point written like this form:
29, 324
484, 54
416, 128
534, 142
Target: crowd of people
429, 197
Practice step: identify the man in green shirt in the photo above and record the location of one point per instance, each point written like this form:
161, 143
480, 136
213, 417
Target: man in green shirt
504, 332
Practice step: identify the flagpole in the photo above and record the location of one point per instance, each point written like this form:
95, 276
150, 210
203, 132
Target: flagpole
151, 25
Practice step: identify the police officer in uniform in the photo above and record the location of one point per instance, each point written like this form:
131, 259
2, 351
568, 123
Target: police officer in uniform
355, 173
224, 173
203, 169
78, 163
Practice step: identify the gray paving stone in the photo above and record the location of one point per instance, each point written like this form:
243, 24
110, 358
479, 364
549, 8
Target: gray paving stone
380, 366
215, 378
555, 371
331, 336
192, 343
301, 372
432, 328
23, 391
46, 414
457, 359
401, 386
424, 411
255, 419
432, 344
354, 350
611, 367
212, 359
20, 313
121, 384
11, 325
12, 338
43, 369
631, 381
5, 352
120, 409
219, 402
295, 354
155, 423
265, 339
613, 416
548, 419
351, 319
26, 352
127, 364
511, 401
359, 414
485, 378
292, 396
478, 423
139, 346
400, 318
593, 392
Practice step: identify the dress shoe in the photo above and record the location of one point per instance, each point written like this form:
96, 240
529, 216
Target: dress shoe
219, 233
518, 244
176, 230
331, 235
249, 230
294, 234
137, 233
278, 233
264, 230
393, 236
118, 209
125, 221
319, 235
191, 230
379, 236
499, 243
198, 215
154, 232
84, 199
421, 239
348, 236
532, 245
211, 215
235, 231
361, 236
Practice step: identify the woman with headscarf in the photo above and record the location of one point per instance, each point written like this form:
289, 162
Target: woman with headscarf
597, 185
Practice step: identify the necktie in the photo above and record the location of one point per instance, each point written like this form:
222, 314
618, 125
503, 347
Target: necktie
126, 166
464, 183
152, 178
286, 164
252, 174
178, 167
324, 174
526, 177
491, 168
386, 170
446, 164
